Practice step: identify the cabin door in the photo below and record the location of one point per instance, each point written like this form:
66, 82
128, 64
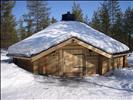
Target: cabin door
73, 63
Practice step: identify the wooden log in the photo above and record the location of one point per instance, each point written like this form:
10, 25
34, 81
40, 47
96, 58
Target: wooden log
35, 67
23, 63
61, 62
125, 61
105, 65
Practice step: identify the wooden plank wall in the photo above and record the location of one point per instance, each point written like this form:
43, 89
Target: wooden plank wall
90, 59
53, 63
91, 62
119, 62
105, 65
125, 61
49, 64
23, 63
72, 56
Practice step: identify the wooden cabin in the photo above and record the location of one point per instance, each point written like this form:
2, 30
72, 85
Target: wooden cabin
69, 48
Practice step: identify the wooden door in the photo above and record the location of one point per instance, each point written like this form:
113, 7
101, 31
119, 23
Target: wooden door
73, 63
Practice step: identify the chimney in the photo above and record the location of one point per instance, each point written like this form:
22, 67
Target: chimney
68, 17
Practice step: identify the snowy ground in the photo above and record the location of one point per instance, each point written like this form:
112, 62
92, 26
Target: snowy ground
130, 59
17, 83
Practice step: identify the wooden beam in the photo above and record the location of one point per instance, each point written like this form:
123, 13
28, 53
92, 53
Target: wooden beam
84, 61
125, 61
61, 61
118, 55
99, 65
35, 67
73, 47
93, 48
25, 58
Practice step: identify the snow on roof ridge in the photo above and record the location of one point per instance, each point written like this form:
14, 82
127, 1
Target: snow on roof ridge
61, 31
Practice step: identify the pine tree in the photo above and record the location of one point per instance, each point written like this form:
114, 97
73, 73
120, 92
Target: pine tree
114, 9
53, 20
117, 27
29, 27
95, 23
101, 20
77, 11
21, 31
115, 15
86, 20
39, 13
128, 26
104, 18
8, 31
109, 16
109, 19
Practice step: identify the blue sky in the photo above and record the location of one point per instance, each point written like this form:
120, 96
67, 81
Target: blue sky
60, 7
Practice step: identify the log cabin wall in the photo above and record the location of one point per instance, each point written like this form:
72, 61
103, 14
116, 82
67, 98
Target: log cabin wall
23, 63
125, 61
72, 60
104, 65
92, 63
52, 63
48, 64
120, 62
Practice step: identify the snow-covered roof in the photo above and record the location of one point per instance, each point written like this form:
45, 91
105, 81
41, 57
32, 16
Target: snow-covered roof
61, 31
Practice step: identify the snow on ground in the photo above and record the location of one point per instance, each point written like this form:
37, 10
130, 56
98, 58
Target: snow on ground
130, 59
17, 83
3, 55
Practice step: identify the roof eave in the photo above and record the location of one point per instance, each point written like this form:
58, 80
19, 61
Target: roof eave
69, 40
